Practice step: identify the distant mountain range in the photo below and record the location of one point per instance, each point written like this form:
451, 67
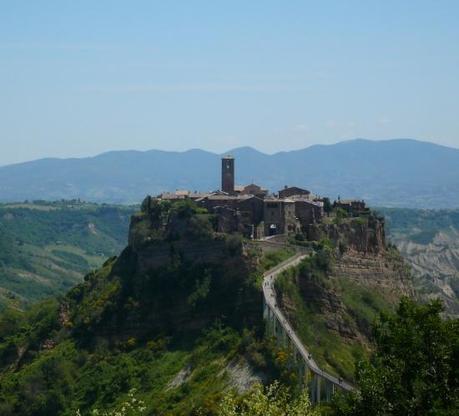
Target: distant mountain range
397, 173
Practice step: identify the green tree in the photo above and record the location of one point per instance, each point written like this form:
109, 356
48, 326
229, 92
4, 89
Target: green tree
132, 406
414, 369
274, 400
328, 207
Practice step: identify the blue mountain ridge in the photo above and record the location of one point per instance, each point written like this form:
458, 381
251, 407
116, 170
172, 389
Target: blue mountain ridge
398, 172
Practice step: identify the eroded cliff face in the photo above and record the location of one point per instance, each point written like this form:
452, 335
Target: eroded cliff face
435, 266
386, 272
361, 234
333, 298
176, 274
361, 260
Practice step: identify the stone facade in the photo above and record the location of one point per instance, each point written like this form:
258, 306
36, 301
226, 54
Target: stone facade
351, 206
250, 210
290, 191
308, 212
279, 216
241, 213
228, 174
253, 189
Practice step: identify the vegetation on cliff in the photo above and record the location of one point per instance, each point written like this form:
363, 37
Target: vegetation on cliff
181, 332
177, 317
333, 297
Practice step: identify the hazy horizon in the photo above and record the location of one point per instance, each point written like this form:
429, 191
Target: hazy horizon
224, 151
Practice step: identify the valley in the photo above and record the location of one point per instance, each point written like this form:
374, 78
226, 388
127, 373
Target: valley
46, 248
429, 241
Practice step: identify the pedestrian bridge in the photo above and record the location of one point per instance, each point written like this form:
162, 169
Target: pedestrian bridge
321, 385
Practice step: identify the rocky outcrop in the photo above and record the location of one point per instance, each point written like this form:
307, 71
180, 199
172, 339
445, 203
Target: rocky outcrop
334, 297
176, 274
362, 234
386, 273
435, 266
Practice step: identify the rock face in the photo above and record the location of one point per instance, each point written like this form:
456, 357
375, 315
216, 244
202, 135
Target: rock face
429, 241
162, 232
436, 266
385, 275
335, 294
176, 274
363, 234
386, 272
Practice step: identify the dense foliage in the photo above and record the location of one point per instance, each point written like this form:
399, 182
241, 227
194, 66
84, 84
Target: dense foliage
274, 400
414, 370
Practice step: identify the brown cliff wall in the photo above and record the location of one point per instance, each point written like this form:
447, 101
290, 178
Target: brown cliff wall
154, 255
365, 235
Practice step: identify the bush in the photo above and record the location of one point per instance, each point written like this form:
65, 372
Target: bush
274, 400
413, 371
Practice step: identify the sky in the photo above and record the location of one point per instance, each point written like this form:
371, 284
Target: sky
78, 78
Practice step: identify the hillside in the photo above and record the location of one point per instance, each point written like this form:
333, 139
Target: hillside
398, 173
333, 297
47, 248
429, 240
177, 315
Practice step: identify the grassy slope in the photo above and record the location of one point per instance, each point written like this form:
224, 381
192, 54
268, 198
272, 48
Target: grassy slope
45, 249
81, 373
337, 338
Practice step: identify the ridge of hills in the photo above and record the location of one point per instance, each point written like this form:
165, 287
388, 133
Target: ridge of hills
393, 173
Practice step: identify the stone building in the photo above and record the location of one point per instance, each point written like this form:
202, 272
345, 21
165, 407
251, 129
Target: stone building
252, 189
241, 213
279, 216
351, 206
289, 191
249, 210
308, 212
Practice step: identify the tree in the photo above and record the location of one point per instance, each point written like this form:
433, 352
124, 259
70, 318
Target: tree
327, 205
414, 369
132, 406
274, 400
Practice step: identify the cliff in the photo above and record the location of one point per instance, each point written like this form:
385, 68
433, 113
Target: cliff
333, 298
176, 275
365, 234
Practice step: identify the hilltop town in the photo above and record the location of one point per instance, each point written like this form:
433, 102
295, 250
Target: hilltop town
255, 213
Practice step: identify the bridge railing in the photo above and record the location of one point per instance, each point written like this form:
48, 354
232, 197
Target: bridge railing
318, 376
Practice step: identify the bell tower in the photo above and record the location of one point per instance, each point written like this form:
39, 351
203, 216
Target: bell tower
228, 174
